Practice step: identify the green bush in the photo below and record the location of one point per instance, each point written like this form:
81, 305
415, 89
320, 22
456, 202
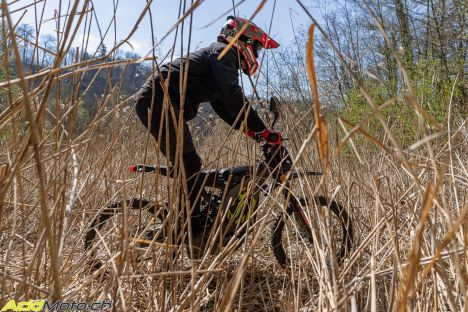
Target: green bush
433, 93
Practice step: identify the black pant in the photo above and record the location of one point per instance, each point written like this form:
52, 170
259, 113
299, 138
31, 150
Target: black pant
163, 125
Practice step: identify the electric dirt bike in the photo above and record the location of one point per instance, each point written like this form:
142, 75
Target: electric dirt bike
230, 200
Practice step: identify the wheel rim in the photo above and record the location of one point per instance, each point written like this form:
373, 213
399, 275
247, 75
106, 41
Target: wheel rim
293, 241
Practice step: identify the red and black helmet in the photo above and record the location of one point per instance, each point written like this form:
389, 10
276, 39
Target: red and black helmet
252, 40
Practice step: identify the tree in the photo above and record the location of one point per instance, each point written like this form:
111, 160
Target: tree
25, 33
48, 42
405, 33
102, 50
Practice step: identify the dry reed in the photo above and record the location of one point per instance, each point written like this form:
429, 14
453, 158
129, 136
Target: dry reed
408, 206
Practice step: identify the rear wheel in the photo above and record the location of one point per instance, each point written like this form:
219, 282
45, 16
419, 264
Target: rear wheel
105, 236
292, 239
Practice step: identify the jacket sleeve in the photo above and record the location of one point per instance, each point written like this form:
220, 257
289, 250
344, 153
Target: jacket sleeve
230, 119
232, 103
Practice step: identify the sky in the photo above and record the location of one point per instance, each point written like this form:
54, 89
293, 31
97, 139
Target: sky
165, 13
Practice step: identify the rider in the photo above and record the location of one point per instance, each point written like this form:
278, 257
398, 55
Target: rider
209, 79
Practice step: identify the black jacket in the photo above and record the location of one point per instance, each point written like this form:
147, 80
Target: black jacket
217, 82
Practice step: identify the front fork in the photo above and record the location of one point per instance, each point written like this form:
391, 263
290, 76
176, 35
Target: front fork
295, 205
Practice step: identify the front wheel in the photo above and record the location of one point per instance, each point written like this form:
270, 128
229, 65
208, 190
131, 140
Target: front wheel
292, 237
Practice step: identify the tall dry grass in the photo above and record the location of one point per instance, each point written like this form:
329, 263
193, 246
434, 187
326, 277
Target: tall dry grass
408, 208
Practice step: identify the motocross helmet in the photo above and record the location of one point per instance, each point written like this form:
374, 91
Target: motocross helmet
250, 42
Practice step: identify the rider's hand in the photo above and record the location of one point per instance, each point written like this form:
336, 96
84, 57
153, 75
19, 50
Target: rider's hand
273, 138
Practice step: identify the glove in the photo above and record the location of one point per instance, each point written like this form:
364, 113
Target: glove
273, 138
